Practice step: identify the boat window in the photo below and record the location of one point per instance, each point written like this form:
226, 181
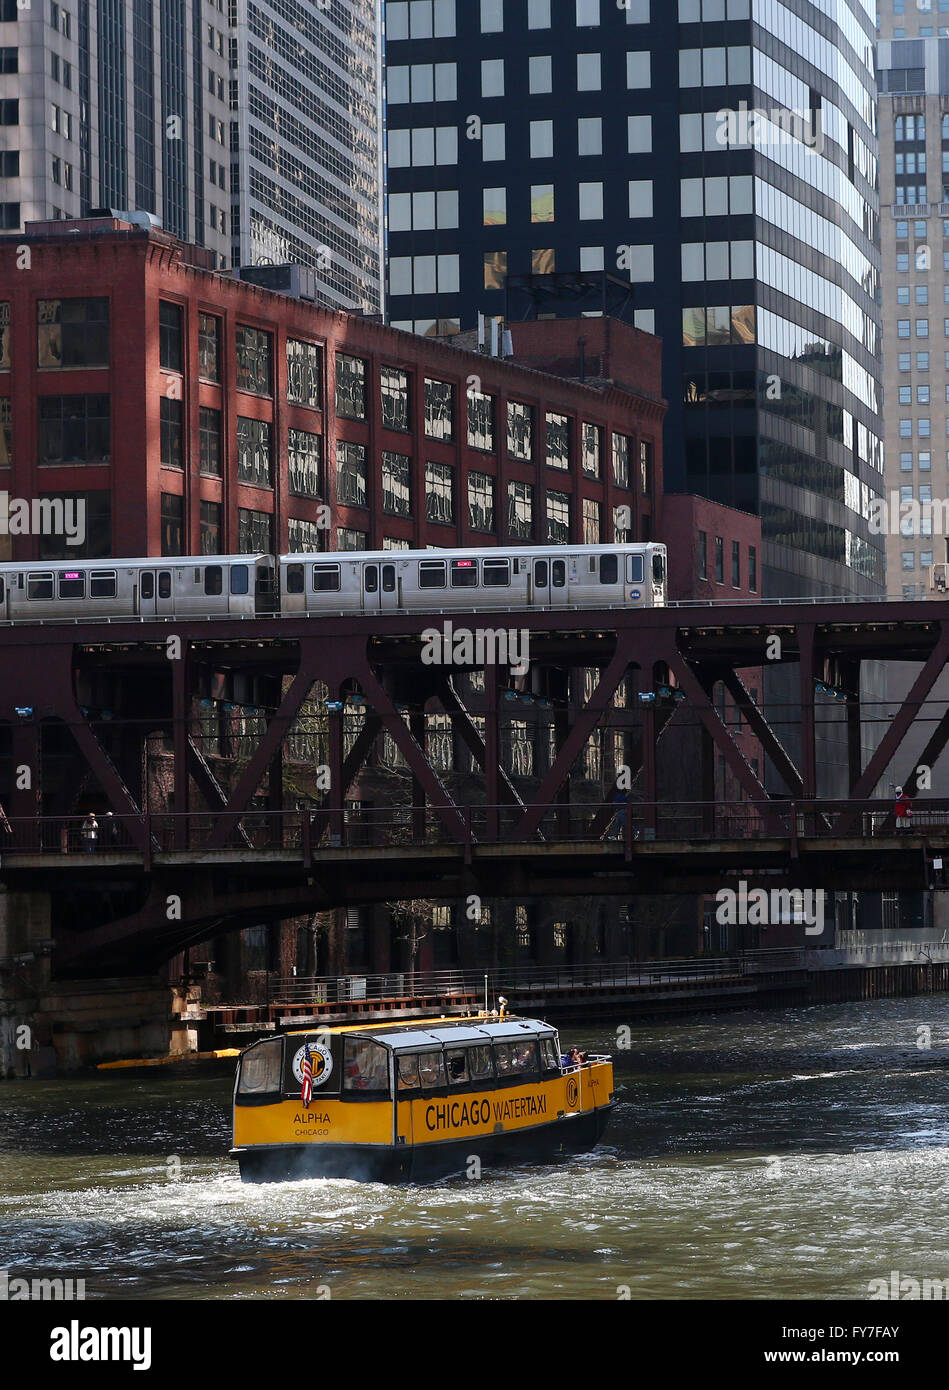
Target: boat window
464, 574
148, 584
72, 584
609, 569
388, 579
260, 1068
481, 1062
431, 574
371, 574
431, 1069
558, 573
365, 1065
408, 1073
497, 573
213, 579
164, 583
658, 568
39, 586
240, 579
294, 579
516, 1058
457, 1066
325, 579
549, 1054
102, 584
634, 569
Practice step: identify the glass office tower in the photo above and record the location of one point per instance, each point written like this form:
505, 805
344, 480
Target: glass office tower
721, 156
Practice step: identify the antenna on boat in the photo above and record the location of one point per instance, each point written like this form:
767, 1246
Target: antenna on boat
486, 991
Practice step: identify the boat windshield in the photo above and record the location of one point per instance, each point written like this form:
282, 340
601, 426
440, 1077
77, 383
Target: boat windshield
260, 1068
365, 1066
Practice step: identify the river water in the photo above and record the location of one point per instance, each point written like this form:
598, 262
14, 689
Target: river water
798, 1153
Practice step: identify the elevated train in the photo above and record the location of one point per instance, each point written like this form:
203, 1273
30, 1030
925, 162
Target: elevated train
494, 579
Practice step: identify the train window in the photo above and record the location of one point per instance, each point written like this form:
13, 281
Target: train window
431, 574
634, 569
164, 583
541, 577
431, 1069
371, 574
388, 579
72, 584
102, 584
240, 579
408, 1074
365, 1065
658, 568
481, 1062
148, 584
464, 574
2, 590
325, 578
39, 586
558, 573
457, 1067
294, 579
609, 569
213, 579
496, 573
260, 1069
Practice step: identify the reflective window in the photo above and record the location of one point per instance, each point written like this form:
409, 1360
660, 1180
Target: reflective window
304, 373
480, 502
558, 516
350, 474
395, 398
254, 361
350, 387
439, 409
254, 452
520, 510
72, 332
396, 485
439, 492
481, 421
304, 462
558, 441
520, 420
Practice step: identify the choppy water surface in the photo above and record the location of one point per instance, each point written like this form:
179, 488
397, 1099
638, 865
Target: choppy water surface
788, 1154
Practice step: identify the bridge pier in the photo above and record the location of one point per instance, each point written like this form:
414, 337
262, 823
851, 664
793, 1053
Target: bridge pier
52, 1026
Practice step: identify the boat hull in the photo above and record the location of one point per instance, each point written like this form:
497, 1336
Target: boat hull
422, 1163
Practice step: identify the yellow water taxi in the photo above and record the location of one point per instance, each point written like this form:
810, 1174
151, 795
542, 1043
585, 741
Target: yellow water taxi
414, 1101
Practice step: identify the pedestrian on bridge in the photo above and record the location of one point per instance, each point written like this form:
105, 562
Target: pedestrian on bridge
903, 812
90, 832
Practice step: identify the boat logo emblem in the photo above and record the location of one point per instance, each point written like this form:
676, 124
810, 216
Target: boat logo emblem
573, 1092
321, 1060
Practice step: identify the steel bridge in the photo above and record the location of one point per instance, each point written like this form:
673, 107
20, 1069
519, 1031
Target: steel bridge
109, 714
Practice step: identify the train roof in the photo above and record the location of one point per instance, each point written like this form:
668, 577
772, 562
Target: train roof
166, 562
414, 1035
462, 551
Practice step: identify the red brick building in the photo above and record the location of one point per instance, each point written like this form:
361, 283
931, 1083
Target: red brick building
199, 413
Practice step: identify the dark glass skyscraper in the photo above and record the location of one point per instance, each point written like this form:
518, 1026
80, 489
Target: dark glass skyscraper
718, 154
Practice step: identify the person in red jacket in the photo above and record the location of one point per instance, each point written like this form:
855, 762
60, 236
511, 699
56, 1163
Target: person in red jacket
903, 811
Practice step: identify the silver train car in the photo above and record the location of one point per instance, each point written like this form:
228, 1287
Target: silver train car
415, 581
494, 579
192, 586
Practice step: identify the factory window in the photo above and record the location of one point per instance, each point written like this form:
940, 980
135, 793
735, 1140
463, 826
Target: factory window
72, 332
170, 336
254, 361
304, 462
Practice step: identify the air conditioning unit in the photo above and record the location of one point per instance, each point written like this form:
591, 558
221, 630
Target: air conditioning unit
939, 578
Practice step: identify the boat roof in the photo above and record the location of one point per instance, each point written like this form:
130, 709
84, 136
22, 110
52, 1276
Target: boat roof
410, 1035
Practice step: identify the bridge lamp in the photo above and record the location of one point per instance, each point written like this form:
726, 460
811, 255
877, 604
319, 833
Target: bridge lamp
333, 704
24, 711
647, 697
678, 694
664, 690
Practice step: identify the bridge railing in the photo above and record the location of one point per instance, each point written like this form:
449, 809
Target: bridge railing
315, 832
331, 989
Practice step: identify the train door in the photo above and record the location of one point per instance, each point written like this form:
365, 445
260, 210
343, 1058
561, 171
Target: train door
550, 583
155, 593
380, 587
